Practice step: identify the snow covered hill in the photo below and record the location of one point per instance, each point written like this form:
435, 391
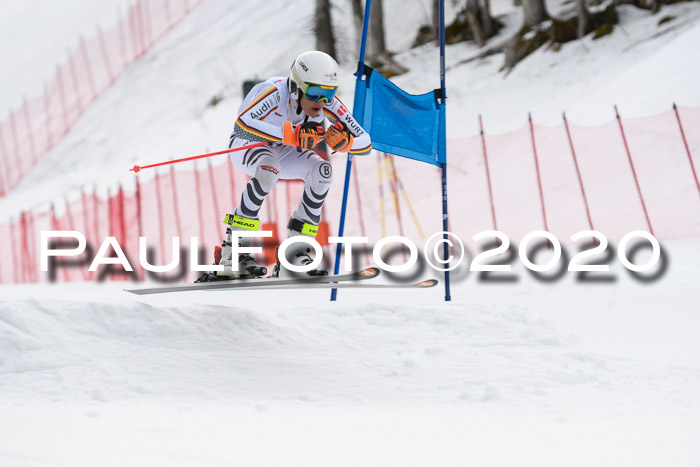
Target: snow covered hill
159, 109
526, 373
42, 32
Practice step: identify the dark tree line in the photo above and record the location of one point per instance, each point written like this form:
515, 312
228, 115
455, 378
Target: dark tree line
325, 39
376, 41
475, 22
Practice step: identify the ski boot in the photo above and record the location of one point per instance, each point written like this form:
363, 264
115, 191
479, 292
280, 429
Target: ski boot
223, 255
299, 254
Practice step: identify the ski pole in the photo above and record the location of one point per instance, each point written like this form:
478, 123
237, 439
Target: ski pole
405, 197
394, 193
380, 177
138, 168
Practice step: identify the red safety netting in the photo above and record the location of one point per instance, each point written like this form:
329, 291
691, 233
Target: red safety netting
32, 129
628, 174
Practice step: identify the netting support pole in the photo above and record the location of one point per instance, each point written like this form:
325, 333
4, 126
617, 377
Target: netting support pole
578, 171
15, 252
488, 173
537, 169
161, 226
687, 147
634, 172
176, 202
139, 220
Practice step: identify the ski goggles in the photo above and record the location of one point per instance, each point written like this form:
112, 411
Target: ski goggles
317, 93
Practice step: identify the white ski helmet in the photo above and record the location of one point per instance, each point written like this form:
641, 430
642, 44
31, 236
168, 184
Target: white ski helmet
313, 68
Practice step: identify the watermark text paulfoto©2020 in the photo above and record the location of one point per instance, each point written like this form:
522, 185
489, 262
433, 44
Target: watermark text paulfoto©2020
433, 251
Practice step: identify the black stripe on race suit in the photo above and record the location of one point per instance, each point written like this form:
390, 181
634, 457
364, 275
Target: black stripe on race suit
247, 212
313, 217
251, 152
318, 197
251, 194
311, 203
256, 155
258, 189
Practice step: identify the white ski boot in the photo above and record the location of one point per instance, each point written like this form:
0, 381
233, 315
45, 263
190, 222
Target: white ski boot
298, 254
247, 266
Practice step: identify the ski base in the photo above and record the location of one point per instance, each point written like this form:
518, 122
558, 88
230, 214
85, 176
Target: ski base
252, 282
354, 285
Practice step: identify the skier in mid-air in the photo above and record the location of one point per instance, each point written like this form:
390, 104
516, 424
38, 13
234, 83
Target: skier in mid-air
288, 112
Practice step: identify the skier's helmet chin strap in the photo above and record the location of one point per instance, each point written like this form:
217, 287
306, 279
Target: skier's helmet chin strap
295, 93
293, 89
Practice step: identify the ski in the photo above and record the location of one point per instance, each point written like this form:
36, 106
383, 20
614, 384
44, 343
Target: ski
354, 285
269, 282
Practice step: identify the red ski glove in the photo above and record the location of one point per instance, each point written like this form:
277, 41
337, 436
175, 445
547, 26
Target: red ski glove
338, 137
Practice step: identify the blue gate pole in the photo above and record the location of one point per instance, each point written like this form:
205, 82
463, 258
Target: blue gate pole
442, 143
341, 228
348, 167
445, 247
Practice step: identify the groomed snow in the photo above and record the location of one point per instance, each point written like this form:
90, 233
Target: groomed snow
525, 373
528, 373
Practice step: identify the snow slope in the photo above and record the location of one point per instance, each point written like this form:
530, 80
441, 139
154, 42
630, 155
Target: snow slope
41, 33
499, 376
524, 373
159, 109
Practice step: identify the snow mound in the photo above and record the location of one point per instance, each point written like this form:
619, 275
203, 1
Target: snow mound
79, 351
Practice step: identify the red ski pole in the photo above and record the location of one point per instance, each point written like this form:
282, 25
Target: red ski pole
138, 168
